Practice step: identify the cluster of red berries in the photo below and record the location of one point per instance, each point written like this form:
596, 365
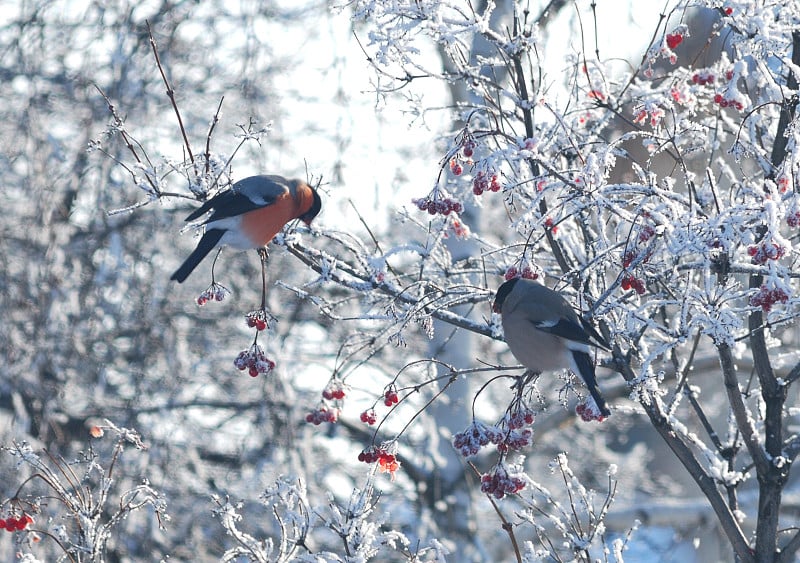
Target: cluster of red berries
371, 455
323, 414
499, 482
724, 102
440, 206
520, 418
12, 524
387, 462
793, 219
476, 436
674, 39
518, 436
510, 435
254, 360
334, 390
526, 272
516, 440
485, 183
455, 167
631, 282
703, 77
390, 397
765, 251
588, 412
259, 319
369, 417
767, 297
214, 292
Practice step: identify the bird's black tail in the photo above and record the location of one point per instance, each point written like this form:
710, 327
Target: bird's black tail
208, 241
586, 369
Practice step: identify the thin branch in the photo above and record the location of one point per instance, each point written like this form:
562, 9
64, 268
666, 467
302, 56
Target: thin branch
170, 92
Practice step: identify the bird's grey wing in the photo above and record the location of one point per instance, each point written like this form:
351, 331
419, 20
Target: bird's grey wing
564, 328
245, 195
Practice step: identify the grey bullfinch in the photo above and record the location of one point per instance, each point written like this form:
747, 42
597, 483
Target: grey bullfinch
249, 215
546, 334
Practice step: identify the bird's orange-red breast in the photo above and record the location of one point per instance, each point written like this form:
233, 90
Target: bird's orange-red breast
261, 225
249, 215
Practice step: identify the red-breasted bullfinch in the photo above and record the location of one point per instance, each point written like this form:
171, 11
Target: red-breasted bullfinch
545, 334
249, 215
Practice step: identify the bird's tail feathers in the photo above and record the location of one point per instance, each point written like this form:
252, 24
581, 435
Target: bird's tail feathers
586, 370
209, 240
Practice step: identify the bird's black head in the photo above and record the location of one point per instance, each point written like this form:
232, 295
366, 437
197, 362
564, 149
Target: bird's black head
502, 293
316, 207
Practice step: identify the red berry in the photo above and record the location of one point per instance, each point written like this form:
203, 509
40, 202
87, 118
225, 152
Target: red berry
253, 371
728, 10
11, 524
260, 324
674, 39
718, 98
2, 524
467, 151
